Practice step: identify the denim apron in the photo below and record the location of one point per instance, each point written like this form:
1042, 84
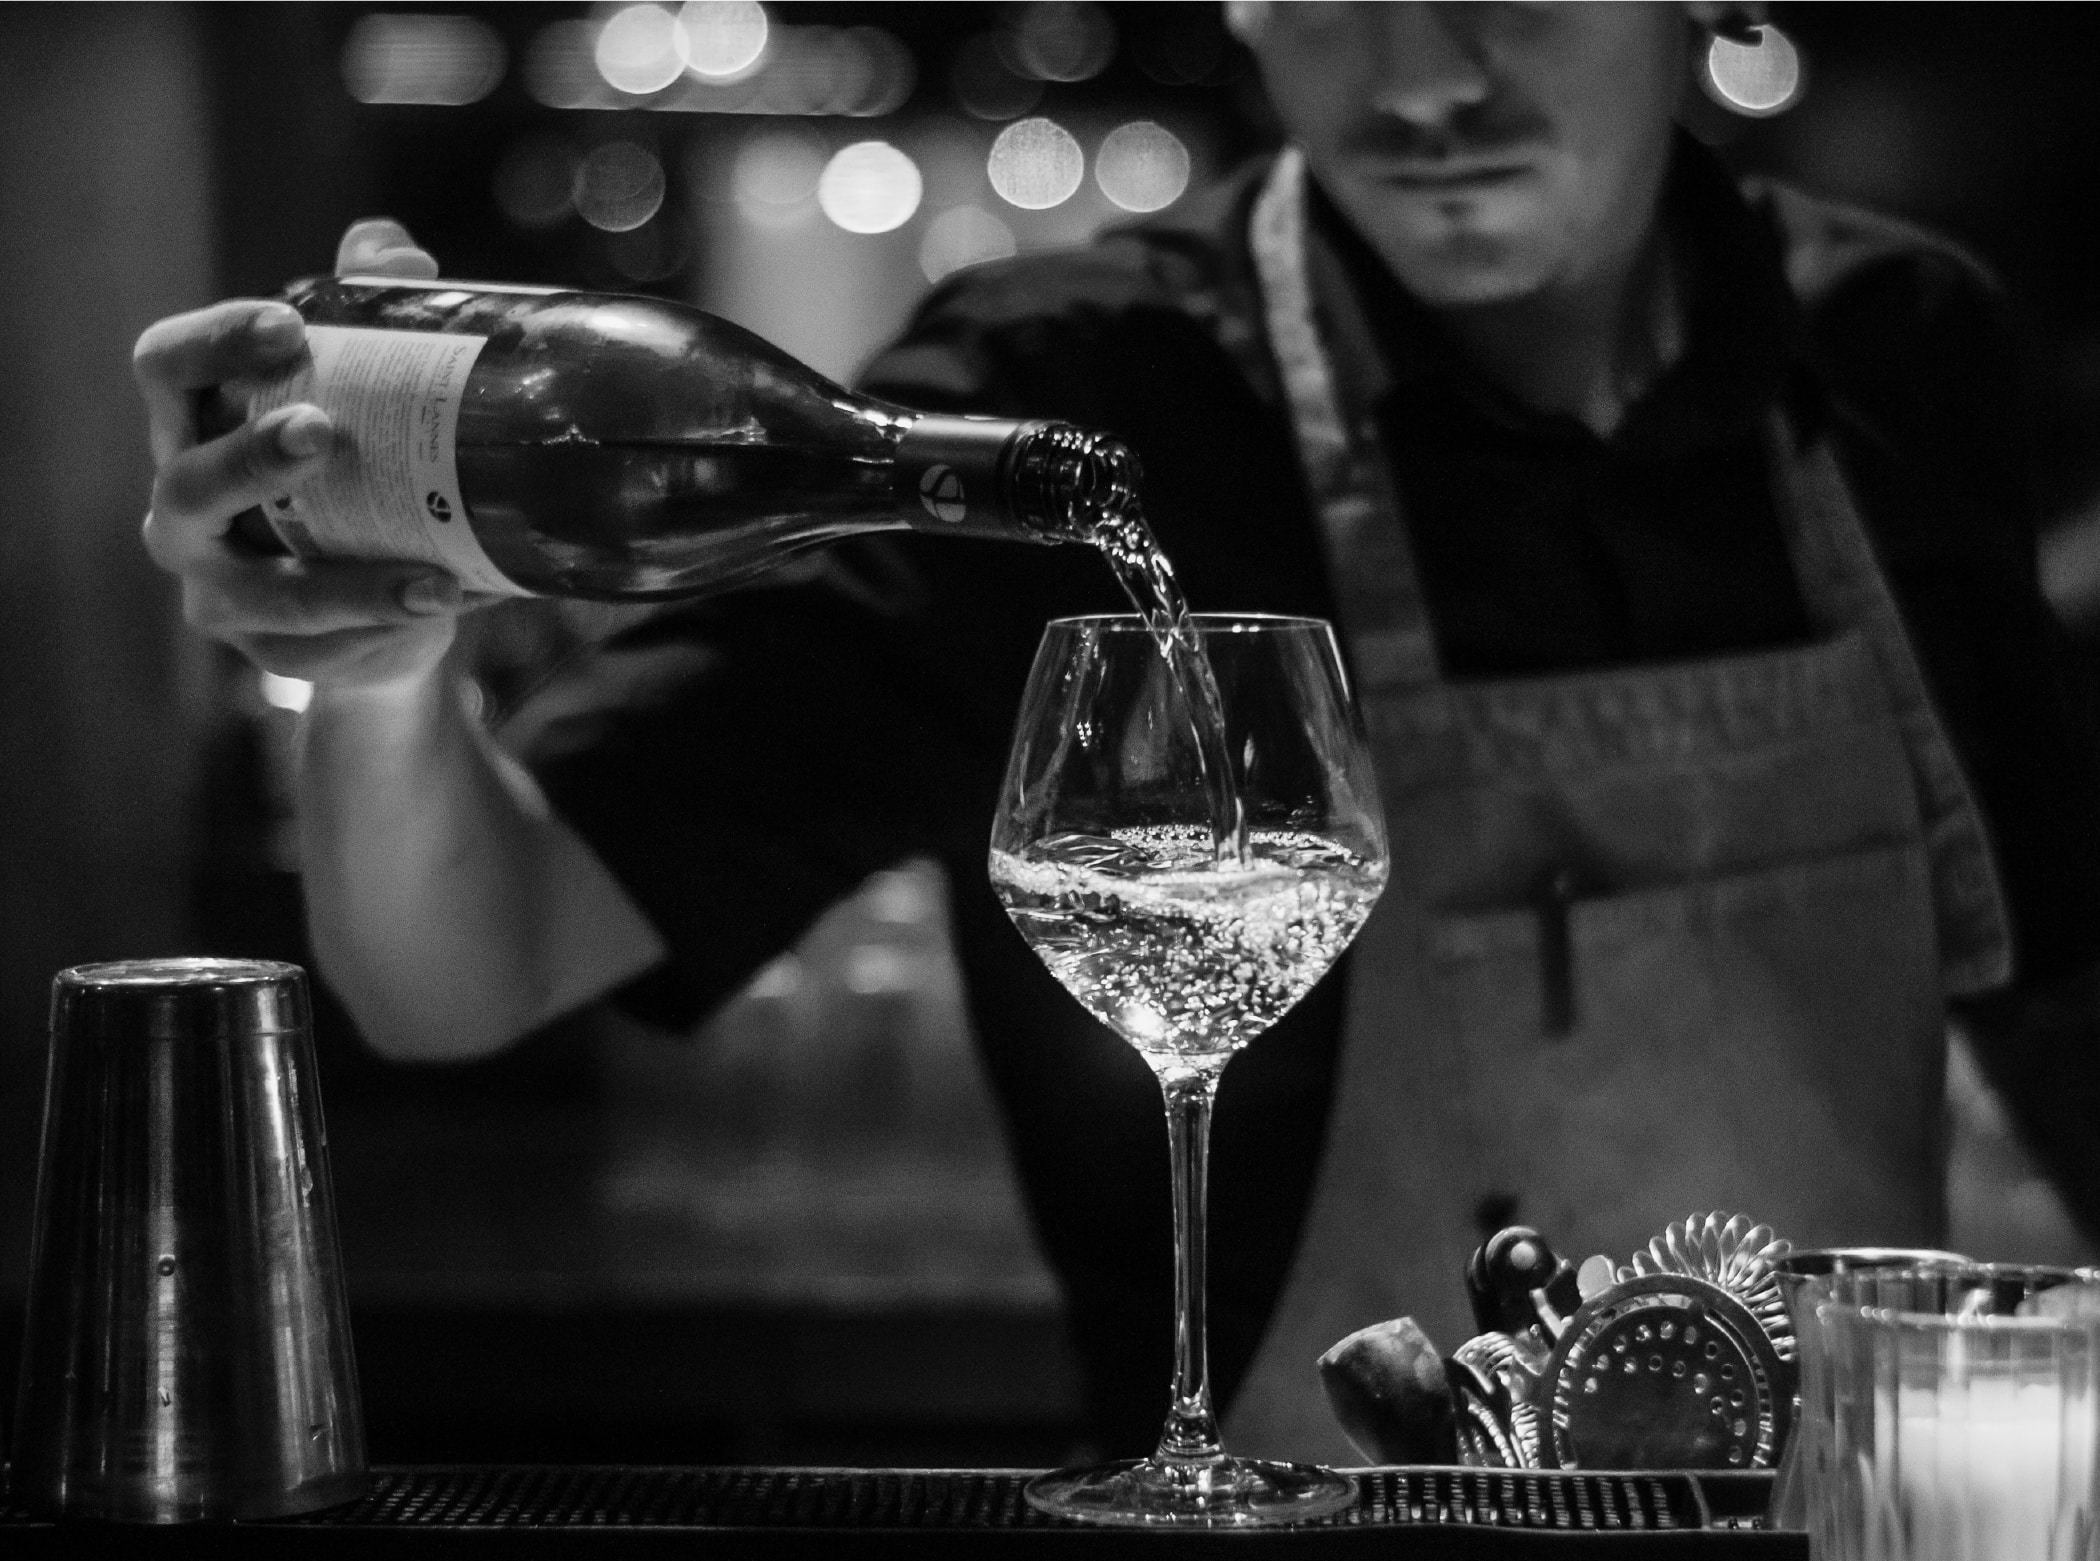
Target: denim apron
1658, 940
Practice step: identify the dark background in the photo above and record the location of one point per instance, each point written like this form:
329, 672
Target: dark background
779, 1239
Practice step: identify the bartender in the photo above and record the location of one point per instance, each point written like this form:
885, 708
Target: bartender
1678, 539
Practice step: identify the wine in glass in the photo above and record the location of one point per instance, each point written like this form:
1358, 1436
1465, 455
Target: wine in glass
1189, 934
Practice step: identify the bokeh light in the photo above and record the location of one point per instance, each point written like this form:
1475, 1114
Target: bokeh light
1035, 164
892, 72
536, 181
869, 187
638, 50
619, 186
963, 236
282, 693
1142, 166
722, 40
650, 253
730, 59
817, 70
988, 87
1064, 40
1758, 79
402, 57
776, 172
561, 68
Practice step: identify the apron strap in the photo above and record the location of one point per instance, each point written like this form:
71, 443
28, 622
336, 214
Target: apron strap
1349, 482
1386, 622
1843, 586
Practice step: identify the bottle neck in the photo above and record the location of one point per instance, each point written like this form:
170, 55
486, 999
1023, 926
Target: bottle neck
1011, 480
1069, 480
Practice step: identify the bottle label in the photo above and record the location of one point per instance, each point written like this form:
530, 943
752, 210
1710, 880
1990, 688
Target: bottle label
390, 486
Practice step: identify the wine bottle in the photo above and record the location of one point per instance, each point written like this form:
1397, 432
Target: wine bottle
539, 441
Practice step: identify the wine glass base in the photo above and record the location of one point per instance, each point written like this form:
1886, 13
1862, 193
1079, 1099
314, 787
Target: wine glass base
1231, 1493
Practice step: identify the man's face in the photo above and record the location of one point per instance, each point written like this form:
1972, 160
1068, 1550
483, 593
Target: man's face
1487, 151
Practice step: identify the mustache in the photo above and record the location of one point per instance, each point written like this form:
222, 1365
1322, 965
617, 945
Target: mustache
1486, 131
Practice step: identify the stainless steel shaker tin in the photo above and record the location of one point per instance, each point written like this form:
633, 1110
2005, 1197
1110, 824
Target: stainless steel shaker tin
179, 999
187, 1352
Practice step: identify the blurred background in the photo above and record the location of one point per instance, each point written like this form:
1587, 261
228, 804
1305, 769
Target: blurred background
792, 1237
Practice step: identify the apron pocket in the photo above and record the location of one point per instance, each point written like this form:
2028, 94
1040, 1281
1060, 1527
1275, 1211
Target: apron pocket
1768, 1042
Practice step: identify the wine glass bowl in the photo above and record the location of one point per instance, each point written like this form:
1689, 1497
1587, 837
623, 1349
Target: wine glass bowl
1189, 835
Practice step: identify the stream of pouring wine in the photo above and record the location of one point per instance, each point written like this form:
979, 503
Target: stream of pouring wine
1148, 580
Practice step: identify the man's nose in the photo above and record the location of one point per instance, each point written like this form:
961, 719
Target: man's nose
1431, 64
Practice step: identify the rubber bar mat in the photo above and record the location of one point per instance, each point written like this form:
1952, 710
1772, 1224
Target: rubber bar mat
630, 1497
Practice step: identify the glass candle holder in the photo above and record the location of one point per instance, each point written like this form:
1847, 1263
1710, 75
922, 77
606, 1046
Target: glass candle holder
1959, 1416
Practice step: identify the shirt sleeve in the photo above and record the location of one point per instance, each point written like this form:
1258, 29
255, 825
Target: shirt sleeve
1928, 377
1929, 382
743, 762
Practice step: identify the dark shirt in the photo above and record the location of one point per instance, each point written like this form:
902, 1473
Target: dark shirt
743, 762
1542, 546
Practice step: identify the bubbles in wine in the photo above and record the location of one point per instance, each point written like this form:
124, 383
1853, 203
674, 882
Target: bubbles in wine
1186, 957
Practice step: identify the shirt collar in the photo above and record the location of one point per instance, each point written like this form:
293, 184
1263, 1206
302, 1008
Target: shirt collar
1742, 323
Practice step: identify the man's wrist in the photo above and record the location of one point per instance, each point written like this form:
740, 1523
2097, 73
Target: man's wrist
368, 728
410, 694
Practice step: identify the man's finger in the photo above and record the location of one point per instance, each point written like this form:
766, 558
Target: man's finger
380, 246
350, 656
186, 353
201, 489
211, 345
314, 598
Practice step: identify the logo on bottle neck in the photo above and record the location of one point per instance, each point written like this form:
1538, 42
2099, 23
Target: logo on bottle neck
941, 492
439, 506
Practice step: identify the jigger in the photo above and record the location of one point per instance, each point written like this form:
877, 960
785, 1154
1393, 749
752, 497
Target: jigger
187, 1353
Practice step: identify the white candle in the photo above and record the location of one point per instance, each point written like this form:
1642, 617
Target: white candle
1982, 1468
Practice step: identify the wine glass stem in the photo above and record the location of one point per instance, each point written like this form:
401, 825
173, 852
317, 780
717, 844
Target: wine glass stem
1191, 1434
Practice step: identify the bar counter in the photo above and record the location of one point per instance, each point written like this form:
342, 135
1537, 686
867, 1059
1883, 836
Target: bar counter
495, 1511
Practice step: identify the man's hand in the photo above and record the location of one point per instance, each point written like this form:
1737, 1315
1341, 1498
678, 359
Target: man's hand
339, 622
448, 905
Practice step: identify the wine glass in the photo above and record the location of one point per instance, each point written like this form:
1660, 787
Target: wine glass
1188, 879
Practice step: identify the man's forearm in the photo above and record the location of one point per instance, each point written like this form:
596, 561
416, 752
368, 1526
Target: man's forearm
448, 907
